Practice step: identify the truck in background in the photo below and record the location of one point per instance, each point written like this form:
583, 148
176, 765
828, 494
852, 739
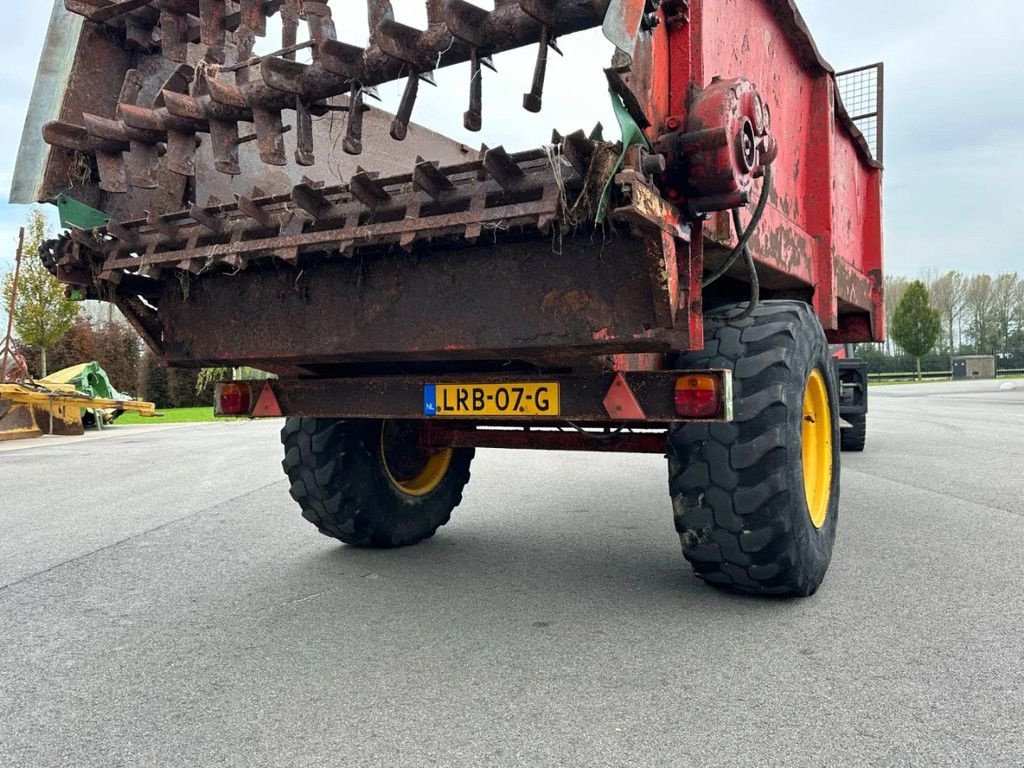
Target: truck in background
852, 375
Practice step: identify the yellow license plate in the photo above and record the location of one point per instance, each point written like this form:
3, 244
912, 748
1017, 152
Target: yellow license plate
509, 399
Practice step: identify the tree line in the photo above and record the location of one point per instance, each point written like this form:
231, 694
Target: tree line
979, 314
133, 368
54, 333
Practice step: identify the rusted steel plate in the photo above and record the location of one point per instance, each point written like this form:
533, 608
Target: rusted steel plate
511, 300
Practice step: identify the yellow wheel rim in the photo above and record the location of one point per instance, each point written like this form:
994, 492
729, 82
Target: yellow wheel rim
817, 448
413, 471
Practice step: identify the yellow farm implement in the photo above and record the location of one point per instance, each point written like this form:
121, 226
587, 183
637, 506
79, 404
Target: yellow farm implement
32, 409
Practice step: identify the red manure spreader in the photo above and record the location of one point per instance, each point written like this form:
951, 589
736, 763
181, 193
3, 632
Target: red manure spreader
673, 289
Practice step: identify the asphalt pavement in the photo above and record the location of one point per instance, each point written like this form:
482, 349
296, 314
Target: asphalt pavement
162, 603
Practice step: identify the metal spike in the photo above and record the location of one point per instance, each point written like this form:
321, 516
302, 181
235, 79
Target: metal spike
142, 159
142, 119
224, 143
224, 93
408, 239
253, 210
481, 173
211, 29
127, 236
435, 12
377, 11
213, 222
161, 225
181, 153
405, 43
289, 26
105, 13
367, 190
353, 142
138, 36
109, 154
174, 36
283, 75
400, 125
181, 142
339, 58
270, 136
76, 137
303, 134
467, 22
117, 131
428, 177
131, 87
320, 22
245, 44
312, 200
503, 168
578, 150
532, 101
253, 16
293, 223
473, 118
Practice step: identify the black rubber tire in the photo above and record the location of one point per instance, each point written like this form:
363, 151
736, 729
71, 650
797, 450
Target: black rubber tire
737, 488
338, 479
853, 437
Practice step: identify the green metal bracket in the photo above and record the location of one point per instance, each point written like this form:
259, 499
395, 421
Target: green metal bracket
632, 136
79, 215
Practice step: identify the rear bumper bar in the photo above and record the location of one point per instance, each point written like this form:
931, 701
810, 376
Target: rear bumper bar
599, 399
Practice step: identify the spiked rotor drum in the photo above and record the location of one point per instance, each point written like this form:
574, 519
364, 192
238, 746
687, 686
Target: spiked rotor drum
195, 94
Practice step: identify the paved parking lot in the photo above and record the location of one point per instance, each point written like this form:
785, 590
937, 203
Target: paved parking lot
162, 603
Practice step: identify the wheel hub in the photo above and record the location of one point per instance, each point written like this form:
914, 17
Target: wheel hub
817, 448
413, 470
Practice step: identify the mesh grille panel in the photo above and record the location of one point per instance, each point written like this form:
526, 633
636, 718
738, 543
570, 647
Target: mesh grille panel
861, 92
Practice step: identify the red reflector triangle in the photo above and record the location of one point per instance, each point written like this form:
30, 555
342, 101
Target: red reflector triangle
620, 402
267, 404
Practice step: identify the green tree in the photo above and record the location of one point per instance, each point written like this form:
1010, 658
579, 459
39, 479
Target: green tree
895, 286
42, 315
915, 325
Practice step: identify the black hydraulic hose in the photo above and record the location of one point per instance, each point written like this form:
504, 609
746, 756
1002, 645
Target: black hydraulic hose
755, 283
744, 235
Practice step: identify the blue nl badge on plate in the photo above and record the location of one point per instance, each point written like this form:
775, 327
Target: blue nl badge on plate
430, 400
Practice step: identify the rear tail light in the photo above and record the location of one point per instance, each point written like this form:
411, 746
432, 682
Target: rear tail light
232, 399
697, 396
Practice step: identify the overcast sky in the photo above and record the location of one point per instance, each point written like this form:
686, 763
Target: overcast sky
954, 114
